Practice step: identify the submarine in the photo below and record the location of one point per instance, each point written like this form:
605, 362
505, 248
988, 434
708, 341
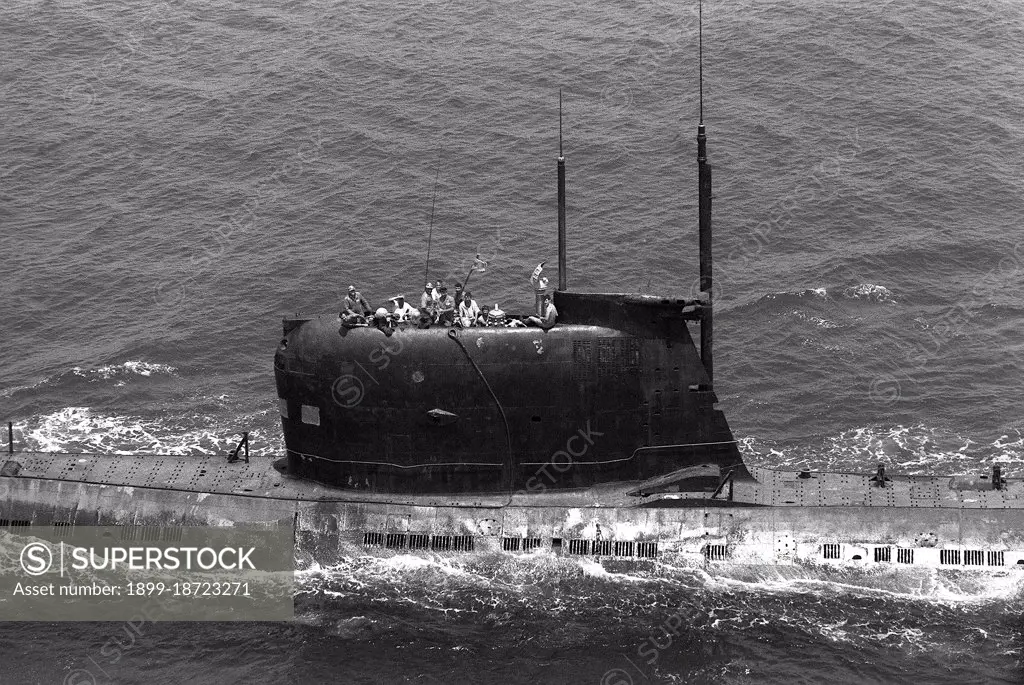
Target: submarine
597, 438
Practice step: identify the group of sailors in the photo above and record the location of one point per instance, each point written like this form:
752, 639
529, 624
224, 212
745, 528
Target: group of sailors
439, 308
447, 310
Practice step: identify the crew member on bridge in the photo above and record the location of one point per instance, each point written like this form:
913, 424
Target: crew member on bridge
383, 321
469, 312
403, 310
548, 319
354, 308
429, 295
355, 303
445, 308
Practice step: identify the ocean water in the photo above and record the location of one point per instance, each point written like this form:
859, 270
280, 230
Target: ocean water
176, 176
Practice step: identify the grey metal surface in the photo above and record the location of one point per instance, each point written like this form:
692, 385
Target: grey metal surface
258, 478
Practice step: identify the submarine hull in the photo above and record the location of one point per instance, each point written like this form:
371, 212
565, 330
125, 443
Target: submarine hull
958, 529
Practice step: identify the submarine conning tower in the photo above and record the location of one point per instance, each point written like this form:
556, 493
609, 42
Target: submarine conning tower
616, 391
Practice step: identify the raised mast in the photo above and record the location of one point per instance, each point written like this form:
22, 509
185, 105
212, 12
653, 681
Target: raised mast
704, 209
561, 200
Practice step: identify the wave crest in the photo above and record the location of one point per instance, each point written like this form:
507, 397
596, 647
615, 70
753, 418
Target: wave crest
870, 292
124, 369
80, 429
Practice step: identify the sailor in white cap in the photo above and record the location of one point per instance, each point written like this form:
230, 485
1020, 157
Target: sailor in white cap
403, 310
384, 322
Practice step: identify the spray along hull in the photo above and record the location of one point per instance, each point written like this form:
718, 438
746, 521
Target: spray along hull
330, 525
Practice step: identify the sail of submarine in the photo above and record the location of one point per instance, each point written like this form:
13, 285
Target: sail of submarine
616, 391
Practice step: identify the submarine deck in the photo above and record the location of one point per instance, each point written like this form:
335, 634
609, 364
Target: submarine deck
772, 488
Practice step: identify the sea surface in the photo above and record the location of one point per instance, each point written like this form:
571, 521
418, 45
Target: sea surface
175, 176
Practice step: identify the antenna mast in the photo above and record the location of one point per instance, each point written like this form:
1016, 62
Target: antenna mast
704, 216
560, 123
561, 200
433, 202
700, 55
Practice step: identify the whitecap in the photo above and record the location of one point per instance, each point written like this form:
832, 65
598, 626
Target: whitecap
80, 429
870, 291
128, 368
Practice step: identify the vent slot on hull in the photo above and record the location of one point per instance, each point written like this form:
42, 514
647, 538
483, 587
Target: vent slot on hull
151, 533
623, 549
647, 550
520, 544
579, 546
716, 552
949, 557
450, 543
394, 540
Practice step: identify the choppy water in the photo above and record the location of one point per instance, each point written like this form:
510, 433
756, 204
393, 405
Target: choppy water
176, 176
